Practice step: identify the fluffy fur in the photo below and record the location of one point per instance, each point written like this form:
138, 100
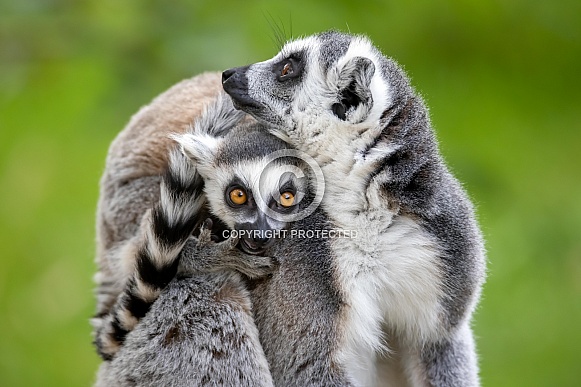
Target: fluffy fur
199, 328
199, 331
130, 184
412, 277
166, 229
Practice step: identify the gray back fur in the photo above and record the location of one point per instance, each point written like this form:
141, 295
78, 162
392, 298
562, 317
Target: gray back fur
200, 332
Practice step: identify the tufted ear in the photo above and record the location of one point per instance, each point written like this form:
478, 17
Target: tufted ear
354, 88
201, 148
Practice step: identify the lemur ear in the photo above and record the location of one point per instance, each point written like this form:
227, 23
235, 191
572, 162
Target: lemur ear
353, 85
201, 148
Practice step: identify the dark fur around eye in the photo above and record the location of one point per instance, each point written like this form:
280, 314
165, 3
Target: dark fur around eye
294, 63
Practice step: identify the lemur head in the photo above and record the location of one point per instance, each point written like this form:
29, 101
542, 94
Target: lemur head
318, 88
250, 184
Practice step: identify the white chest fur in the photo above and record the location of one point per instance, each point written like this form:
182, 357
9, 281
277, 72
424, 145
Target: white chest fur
389, 273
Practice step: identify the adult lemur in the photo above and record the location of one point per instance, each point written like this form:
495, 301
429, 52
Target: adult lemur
412, 277
198, 329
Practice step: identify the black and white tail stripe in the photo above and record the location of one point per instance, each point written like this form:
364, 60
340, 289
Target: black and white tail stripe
165, 231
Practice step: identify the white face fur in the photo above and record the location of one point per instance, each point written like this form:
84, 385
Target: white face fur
315, 99
262, 181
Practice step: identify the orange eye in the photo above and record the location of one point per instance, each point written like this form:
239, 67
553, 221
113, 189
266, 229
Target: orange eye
238, 196
287, 69
287, 199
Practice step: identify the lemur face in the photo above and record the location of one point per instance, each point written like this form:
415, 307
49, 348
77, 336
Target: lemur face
253, 194
314, 89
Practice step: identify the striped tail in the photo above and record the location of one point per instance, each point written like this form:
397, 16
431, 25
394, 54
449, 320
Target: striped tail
165, 230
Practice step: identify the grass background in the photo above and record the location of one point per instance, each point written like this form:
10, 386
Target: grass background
501, 78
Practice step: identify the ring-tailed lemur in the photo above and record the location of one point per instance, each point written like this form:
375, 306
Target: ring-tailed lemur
296, 310
201, 327
413, 275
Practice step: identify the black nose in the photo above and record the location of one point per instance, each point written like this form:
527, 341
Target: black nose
260, 241
227, 74
235, 83
255, 245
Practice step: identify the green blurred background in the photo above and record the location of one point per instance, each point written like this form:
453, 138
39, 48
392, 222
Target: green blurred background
503, 83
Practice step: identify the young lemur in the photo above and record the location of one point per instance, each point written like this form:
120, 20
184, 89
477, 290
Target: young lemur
198, 328
256, 182
412, 277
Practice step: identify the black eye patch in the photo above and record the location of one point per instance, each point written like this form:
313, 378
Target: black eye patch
289, 68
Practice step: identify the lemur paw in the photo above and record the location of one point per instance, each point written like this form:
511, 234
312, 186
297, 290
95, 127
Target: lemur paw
202, 254
253, 266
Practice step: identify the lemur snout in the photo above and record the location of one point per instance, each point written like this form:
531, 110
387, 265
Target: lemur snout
255, 237
235, 83
255, 244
